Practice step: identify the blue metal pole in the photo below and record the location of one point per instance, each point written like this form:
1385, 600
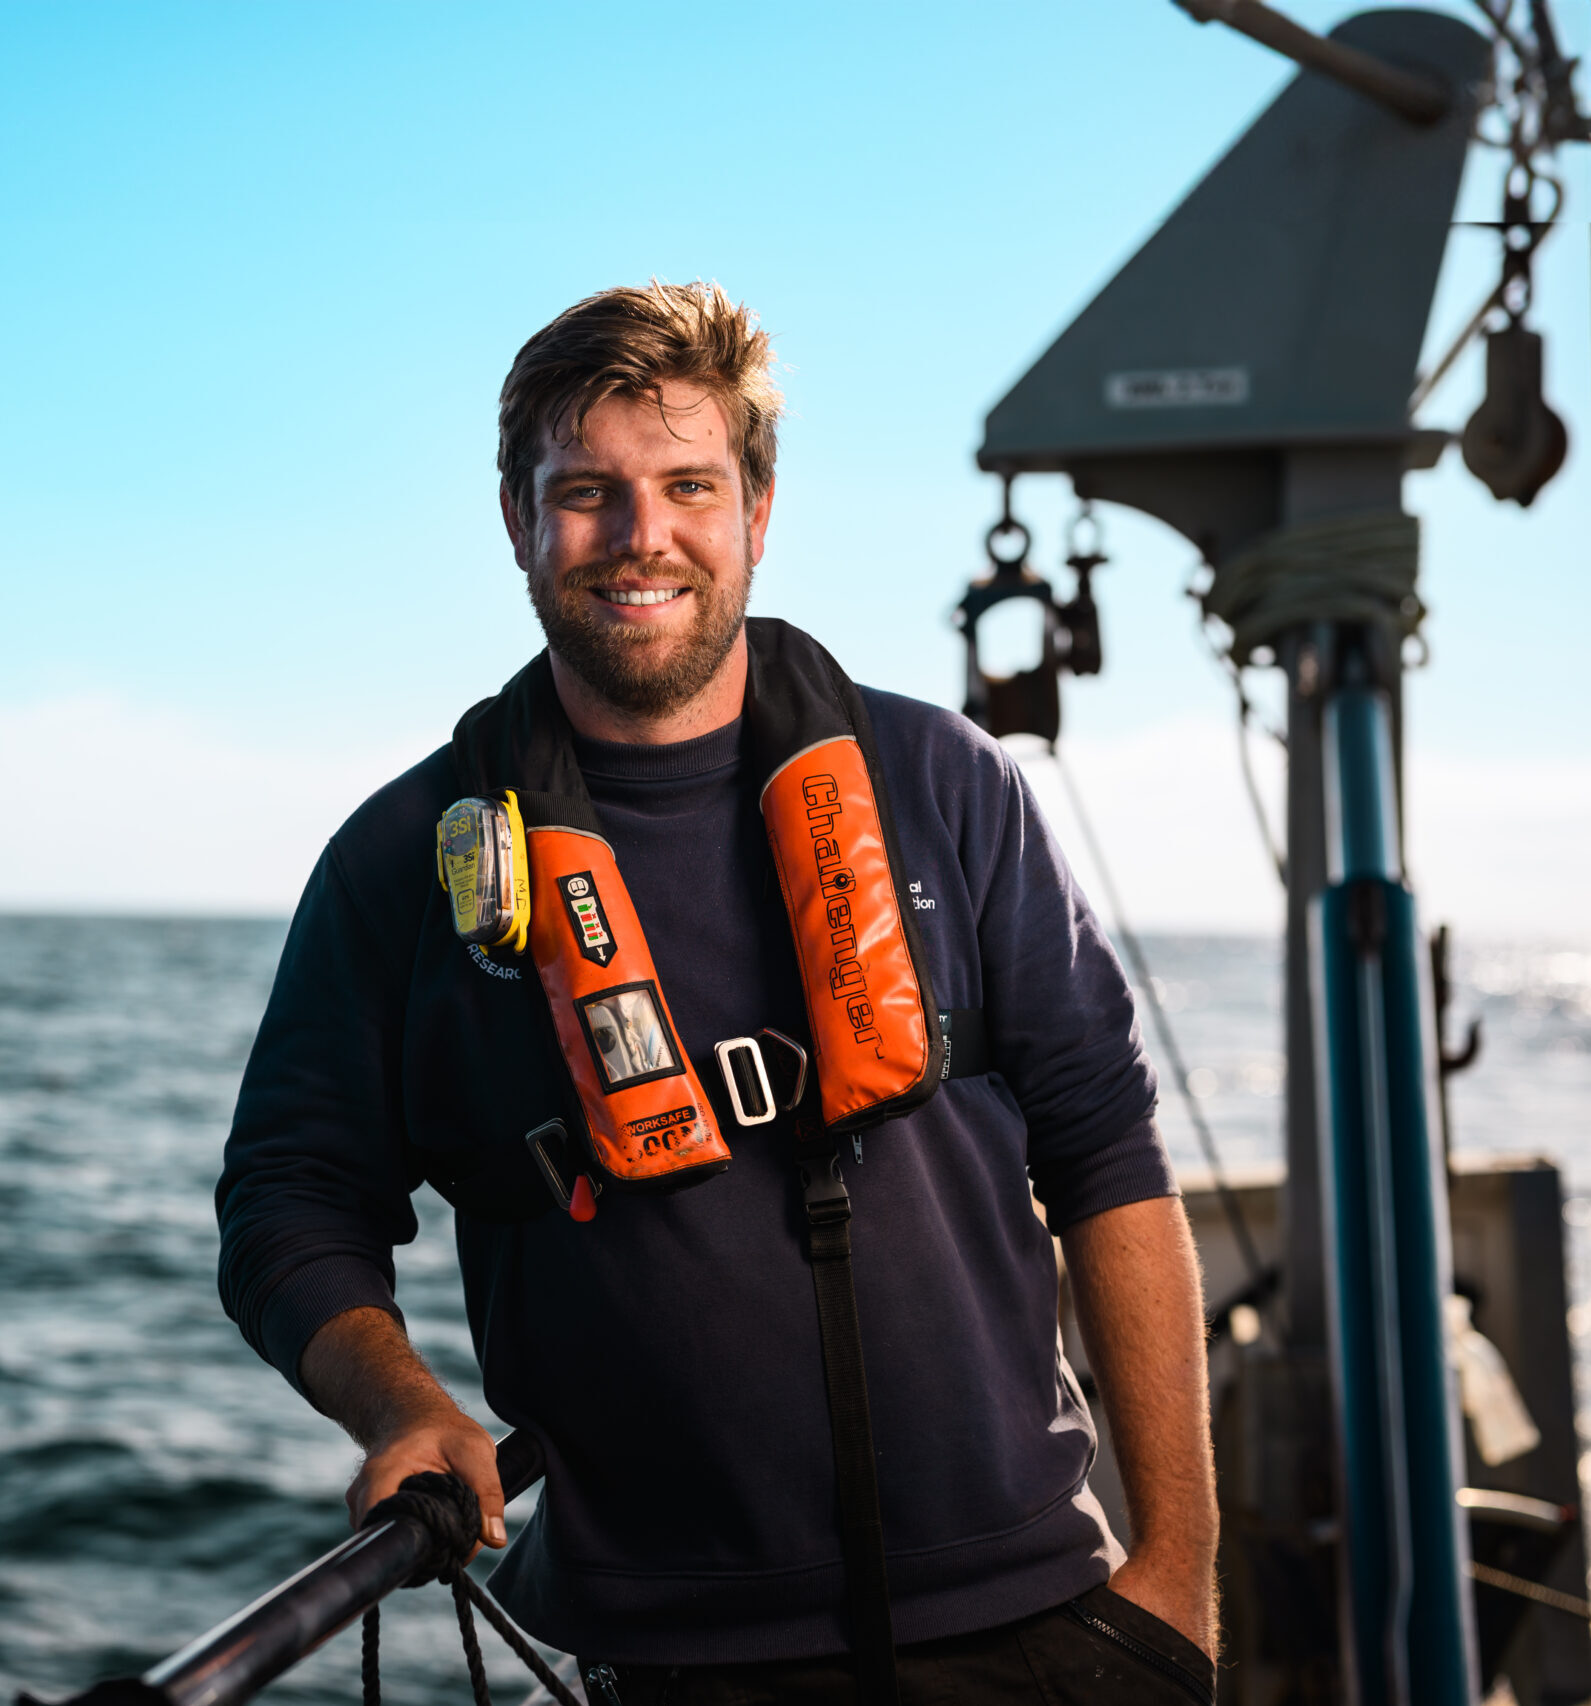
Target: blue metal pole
1409, 1638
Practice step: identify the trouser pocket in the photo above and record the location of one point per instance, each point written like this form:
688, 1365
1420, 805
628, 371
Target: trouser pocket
1167, 1663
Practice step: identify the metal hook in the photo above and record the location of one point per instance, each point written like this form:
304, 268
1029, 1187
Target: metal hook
1077, 556
1006, 526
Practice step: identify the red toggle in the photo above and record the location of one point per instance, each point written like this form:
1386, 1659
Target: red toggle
582, 1200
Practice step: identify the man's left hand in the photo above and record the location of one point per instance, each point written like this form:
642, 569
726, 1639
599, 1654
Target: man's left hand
1135, 1279
1178, 1590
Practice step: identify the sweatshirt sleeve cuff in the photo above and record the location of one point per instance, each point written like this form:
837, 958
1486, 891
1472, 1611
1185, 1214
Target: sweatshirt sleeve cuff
309, 1297
1133, 1168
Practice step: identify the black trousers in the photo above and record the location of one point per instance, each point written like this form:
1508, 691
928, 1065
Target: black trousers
1096, 1648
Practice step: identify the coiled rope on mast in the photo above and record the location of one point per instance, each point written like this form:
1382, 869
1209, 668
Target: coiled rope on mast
1357, 569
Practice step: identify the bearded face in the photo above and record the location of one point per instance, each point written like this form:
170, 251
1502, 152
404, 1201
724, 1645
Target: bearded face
639, 552
644, 668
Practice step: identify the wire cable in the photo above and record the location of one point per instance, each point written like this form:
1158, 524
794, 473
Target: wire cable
1273, 850
1245, 719
1231, 1204
1570, 1604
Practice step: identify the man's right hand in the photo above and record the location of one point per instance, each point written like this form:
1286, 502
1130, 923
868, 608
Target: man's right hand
443, 1443
361, 1370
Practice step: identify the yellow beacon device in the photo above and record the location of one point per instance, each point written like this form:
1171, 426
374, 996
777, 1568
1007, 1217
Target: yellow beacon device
481, 862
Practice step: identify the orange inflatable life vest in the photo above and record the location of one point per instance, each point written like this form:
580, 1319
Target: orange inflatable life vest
635, 1104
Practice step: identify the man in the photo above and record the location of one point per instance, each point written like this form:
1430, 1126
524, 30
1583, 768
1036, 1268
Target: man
667, 1353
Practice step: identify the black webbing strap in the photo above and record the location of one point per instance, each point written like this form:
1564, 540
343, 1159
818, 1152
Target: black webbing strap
828, 1211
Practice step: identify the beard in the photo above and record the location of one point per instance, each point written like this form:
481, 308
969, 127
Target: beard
641, 670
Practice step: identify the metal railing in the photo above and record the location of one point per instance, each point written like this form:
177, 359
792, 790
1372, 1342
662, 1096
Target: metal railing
235, 1660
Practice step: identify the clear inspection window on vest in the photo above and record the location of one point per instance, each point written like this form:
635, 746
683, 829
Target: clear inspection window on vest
628, 1035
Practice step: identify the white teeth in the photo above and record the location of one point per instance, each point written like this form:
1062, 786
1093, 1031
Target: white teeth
624, 595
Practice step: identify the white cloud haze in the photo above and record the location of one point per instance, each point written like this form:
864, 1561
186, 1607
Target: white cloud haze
115, 807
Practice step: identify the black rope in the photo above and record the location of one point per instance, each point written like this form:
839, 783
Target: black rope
450, 1514
516, 1642
470, 1639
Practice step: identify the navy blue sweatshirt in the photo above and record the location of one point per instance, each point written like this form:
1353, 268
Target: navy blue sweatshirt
667, 1352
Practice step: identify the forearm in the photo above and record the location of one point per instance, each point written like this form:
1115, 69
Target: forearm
1135, 1280
361, 1370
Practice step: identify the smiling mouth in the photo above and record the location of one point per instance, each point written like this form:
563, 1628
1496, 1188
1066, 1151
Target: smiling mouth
634, 595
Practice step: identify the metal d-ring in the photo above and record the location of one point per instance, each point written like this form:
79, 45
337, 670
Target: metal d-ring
1002, 529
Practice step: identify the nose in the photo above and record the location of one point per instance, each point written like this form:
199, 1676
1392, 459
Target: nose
641, 526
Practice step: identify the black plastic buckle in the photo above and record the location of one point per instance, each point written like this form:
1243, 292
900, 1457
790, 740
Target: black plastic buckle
824, 1192
549, 1146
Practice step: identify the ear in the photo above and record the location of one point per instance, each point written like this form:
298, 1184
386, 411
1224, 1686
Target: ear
757, 522
514, 522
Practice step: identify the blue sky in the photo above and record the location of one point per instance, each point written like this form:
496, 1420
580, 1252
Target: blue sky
267, 264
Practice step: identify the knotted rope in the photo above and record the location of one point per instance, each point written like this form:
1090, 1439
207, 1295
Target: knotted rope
1349, 568
450, 1514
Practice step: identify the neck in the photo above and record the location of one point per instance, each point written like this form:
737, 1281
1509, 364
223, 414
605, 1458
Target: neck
718, 703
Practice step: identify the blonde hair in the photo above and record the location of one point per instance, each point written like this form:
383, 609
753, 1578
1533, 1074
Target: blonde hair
629, 342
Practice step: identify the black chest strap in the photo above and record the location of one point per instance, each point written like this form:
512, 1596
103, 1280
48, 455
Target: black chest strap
828, 1218
828, 1221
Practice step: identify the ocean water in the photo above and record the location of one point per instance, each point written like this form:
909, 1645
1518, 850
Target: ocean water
155, 1476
